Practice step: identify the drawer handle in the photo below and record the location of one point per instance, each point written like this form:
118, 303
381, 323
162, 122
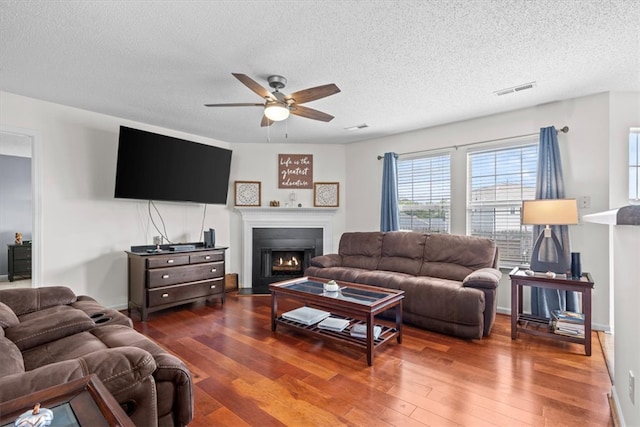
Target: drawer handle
165, 295
207, 257
213, 286
165, 276
213, 270
169, 261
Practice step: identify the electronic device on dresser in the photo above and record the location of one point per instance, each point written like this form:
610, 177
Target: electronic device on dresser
210, 238
165, 278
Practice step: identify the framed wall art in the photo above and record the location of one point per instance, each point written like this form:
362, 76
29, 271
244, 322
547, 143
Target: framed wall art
247, 193
326, 194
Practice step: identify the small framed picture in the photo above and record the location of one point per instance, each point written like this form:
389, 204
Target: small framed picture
247, 193
326, 194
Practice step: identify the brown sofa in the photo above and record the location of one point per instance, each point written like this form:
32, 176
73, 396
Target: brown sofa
449, 280
49, 336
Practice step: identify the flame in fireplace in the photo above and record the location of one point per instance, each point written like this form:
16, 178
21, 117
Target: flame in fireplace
293, 261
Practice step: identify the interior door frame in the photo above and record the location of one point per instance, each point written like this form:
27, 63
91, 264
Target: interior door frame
36, 198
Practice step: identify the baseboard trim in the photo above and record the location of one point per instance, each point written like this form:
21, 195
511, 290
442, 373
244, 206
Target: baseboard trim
616, 410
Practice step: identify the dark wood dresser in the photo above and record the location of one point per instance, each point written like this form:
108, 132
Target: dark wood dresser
19, 258
159, 280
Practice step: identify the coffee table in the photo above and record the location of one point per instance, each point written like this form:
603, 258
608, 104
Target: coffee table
357, 303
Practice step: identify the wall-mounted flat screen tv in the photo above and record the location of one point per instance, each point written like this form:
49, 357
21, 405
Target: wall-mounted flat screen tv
157, 167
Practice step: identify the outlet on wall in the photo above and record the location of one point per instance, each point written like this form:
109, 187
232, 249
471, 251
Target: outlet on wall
584, 202
632, 387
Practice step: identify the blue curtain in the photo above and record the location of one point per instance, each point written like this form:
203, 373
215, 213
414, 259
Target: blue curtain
389, 215
550, 185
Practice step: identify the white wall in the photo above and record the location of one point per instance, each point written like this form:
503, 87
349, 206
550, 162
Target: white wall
85, 231
584, 152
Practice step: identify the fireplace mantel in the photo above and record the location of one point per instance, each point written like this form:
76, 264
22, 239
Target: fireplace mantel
276, 217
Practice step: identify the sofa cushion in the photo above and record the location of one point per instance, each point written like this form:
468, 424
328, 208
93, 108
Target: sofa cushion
402, 252
10, 358
345, 274
444, 299
43, 327
7, 316
449, 256
361, 249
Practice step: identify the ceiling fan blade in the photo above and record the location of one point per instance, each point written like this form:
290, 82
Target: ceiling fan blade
265, 121
253, 85
313, 93
246, 104
310, 113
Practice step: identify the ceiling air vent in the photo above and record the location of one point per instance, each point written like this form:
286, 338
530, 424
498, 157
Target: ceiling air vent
357, 127
515, 89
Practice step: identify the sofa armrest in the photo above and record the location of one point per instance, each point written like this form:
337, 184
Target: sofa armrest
326, 261
487, 278
118, 368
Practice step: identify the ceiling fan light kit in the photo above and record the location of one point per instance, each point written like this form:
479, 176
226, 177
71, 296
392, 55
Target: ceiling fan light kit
278, 106
276, 111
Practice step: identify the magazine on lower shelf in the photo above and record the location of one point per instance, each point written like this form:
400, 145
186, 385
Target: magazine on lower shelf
335, 324
359, 330
306, 315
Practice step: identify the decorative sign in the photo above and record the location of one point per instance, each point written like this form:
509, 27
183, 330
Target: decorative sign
295, 170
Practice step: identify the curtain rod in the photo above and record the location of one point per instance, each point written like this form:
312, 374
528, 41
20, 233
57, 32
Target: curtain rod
565, 129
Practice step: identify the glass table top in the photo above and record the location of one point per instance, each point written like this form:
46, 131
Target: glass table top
346, 293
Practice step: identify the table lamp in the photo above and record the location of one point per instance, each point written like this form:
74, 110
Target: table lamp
549, 212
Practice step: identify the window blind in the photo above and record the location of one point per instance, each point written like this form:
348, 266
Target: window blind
498, 181
424, 193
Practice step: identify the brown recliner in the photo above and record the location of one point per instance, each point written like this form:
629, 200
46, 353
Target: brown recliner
49, 336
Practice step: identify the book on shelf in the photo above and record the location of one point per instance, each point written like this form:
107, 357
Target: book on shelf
335, 324
306, 315
359, 330
568, 316
569, 332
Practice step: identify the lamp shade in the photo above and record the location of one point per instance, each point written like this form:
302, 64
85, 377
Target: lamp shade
550, 212
276, 111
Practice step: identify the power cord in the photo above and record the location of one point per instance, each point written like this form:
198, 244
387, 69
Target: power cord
164, 236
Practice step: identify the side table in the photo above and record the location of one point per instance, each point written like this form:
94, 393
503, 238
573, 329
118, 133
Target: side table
82, 402
541, 326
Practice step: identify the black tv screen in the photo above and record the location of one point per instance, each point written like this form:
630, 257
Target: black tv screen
157, 167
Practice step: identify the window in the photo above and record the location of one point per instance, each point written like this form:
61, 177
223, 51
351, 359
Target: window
634, 165
498, 181
424, 193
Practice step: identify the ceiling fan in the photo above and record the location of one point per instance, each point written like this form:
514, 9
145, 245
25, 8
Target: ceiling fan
278, 106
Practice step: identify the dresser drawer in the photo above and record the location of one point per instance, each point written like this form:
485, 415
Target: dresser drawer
175, 293
20, 253
167, 261
187, 273
198, 258
22, 266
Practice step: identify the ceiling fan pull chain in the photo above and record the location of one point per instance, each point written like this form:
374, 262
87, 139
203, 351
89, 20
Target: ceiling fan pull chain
286, 129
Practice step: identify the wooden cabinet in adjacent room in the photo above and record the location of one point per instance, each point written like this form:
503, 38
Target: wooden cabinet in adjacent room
166, 279
19, 259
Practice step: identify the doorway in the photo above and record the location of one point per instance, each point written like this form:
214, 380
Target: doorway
20, 204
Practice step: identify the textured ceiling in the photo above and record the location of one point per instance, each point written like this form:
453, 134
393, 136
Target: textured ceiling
401, 65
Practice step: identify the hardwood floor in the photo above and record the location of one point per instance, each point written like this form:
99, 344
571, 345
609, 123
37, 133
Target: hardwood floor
247, 375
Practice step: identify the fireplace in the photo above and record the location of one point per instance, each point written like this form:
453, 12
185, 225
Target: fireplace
254, 218
283, 253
